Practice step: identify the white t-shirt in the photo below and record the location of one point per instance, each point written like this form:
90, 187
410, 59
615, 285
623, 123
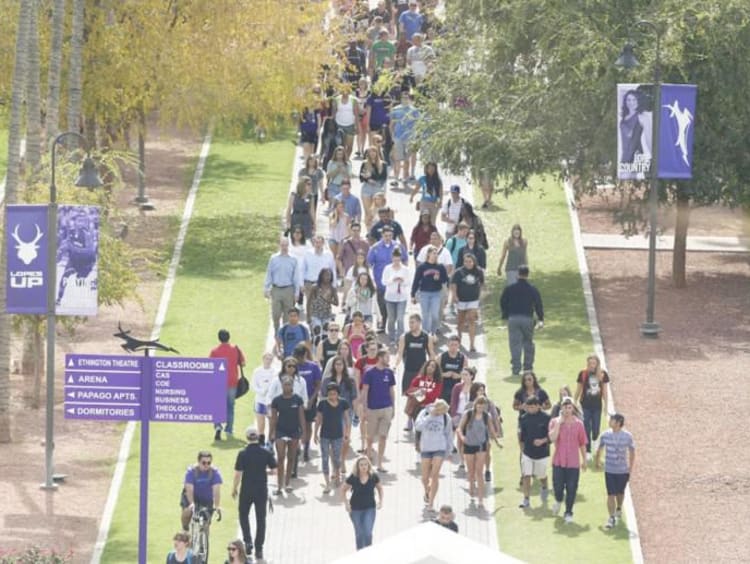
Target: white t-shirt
261, 379
444, 257
397, 283
417, 58
453, 211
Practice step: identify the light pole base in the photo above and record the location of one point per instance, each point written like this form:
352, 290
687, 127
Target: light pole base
650, 330
144, 203
48, 487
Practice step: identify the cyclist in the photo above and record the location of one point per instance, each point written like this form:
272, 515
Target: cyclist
202, 488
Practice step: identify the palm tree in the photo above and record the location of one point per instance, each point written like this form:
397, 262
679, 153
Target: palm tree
33, 101
52, 122
11, 191
75, 95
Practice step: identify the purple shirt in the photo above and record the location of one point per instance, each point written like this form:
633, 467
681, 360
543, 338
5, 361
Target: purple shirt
310, 371
203, 482
380, 382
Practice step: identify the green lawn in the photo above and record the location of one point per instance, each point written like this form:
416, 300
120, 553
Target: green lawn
536, 535
219, 284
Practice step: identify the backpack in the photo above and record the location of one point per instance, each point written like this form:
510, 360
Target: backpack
184, 502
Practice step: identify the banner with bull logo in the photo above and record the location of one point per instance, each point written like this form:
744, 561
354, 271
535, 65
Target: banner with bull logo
26, 274
77, 268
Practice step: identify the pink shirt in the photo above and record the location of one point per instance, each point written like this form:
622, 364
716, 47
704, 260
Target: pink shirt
567, 447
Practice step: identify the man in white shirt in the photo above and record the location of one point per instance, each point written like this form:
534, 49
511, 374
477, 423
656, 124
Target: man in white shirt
451, 212
315, 260
419, 57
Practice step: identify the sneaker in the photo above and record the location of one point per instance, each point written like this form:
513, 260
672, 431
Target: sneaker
355, 421
568, 518
462, 467
610, 522
618, 514
588, 457
306, 455
487, 476
544, 494
556, 507
525, 504
217, 435
258, 555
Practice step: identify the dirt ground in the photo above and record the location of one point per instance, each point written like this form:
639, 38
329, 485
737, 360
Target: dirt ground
684, 394
68, 519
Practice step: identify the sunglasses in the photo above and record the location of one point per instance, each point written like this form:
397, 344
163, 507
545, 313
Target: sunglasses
205, 463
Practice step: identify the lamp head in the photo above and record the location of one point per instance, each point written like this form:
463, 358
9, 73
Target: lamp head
88, 177
627, 59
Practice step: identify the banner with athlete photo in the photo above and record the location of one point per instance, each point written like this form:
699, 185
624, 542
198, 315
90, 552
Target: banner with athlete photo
635, 104
77, 252
676, 130
26, 276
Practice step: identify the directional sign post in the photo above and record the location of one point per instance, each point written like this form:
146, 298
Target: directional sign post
145, 389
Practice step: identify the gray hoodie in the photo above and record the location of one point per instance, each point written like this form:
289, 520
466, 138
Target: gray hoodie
436, 431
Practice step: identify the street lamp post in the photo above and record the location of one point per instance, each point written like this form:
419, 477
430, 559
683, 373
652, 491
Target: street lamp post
627, 60
87, 178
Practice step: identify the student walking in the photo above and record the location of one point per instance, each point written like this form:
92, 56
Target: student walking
569, 437
287, 423
435, 444
235, 360
262, 378
533, 434
475, 432
515, 250
332, 429
591, 392
361, 504
518, 303
619, 448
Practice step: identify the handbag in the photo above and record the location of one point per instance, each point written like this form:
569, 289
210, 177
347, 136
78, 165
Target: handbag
243, 386
412, 407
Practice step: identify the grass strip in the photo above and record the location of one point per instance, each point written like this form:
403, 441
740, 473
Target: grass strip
219, 284
535, 535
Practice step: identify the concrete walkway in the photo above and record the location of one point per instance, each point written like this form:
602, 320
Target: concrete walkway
666, 243
310, 527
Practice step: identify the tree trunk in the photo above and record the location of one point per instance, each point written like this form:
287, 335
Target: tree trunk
32, 360
33, 98
11, 191
75, 93
679, 253
52, 121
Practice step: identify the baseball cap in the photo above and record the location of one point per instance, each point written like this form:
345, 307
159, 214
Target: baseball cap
251, 433
456, 188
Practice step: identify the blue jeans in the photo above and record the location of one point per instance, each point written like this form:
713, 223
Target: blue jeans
229, 427
364, 522
592, 419
332, 447
395, 319
565, 481
429, 303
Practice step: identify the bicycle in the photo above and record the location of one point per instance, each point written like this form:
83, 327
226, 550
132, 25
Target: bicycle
199, 529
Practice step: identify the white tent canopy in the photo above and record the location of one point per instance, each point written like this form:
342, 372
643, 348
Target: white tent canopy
427, 543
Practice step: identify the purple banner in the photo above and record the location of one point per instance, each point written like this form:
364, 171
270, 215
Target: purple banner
103, 387
77, 267
635, 103
676, 130
26, 252
189, 390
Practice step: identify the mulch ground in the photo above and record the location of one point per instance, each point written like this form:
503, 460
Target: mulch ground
68, 519
684, 395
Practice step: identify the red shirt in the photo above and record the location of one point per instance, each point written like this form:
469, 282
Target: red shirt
432, 389
421, 237
233, 356
569, 442
363, 364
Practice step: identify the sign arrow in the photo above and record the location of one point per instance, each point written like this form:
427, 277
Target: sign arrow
221, 367
72, 410
71, 394
71, 363
70, 380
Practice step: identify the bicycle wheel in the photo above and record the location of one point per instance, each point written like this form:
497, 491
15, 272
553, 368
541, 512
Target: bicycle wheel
202, 553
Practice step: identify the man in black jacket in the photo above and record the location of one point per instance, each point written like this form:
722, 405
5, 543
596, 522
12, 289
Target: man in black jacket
518, 303
250, 470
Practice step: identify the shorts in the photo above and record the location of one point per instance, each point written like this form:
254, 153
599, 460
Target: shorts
470, 449
379, 421
287, 436
311, 413
400, 150
536, 467
616, 483
347, 130
369, 190
377, 127
433, 454
261, 408
466, 306
309, 137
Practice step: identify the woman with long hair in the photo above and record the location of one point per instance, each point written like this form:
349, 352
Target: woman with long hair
360, 265
363, 91
323, 297
459, 403
236, 553
632, 122
472, 247
316, 175
564, 392
361, 296
338, 230
300, 209
339, 169
431, 187
466, 288
425, 388
479, 389
515, 249
475, 431
287, 424
420, 235
592, 388
339, 373
362, 483
435, 444
328, 143
427, 287
529, 387
373, 175
470, 218
309, 127
397, 281
378, 202
355, 333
